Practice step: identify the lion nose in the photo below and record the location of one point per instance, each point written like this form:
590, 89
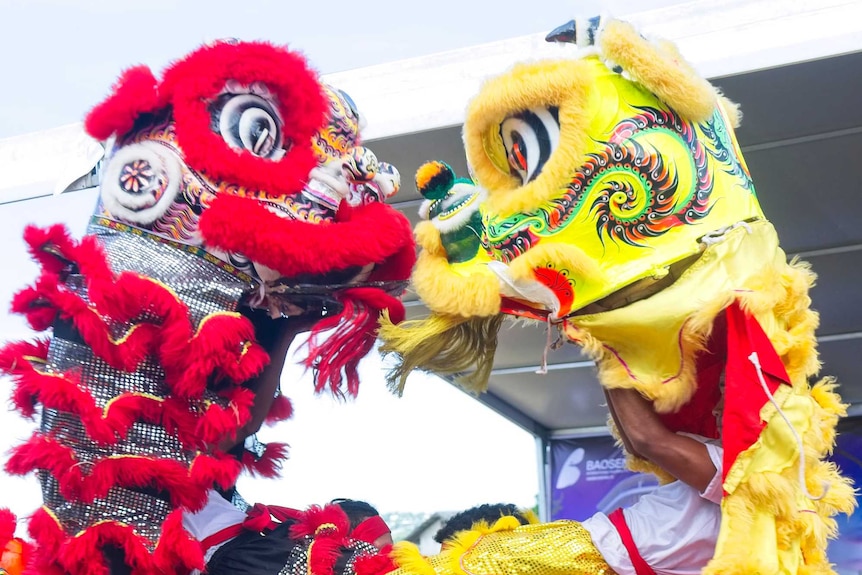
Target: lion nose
140, 182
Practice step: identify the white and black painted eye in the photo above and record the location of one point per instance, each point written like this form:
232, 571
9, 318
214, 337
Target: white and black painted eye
530, 137
248, 122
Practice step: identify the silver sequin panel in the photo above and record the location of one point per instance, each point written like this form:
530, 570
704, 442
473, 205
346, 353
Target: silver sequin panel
205, 289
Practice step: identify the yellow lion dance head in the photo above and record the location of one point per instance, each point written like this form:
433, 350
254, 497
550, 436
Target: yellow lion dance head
611, 200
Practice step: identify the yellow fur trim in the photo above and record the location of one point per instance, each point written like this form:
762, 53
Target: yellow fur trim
661, 69
562, 256
562, 83
442, 344
408, 558
731, 110
768, 510
447, 292
428, 238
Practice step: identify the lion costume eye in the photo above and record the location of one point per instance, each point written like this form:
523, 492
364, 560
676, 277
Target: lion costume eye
248, 122
530, 137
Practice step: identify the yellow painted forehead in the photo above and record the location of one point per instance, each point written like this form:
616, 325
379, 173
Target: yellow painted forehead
565, 84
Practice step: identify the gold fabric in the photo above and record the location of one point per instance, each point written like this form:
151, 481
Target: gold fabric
559, 548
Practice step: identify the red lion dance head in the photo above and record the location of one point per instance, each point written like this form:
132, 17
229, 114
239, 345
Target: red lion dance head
235, 193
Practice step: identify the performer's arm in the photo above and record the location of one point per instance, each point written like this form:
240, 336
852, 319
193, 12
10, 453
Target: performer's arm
266, 384
627, 443
683, 457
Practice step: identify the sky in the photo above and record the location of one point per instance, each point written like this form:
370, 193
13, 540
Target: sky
60, 57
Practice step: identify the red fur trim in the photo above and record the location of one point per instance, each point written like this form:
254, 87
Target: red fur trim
59, 552
218, 422
355, 330
322, 556
64, 393
373, 233
374, 564
192, 83
195, 426
280, 410
218, 344
48, 535
41, 452
224, 341
15, 361
183, 551
267, 465
32, 304
186, 487
8, 522
38, 239
134, 93
13, 352
330, 521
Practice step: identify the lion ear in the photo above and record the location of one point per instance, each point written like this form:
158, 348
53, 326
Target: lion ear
659, 67
134, 93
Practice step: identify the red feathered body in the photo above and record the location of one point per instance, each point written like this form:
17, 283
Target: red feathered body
236, 182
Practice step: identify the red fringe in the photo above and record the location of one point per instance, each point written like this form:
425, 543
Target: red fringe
269, 464
374, 233
280, 410
355, 330
65, 394
134, 93
185, 487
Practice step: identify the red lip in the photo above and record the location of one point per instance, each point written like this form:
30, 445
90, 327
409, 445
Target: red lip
375, 233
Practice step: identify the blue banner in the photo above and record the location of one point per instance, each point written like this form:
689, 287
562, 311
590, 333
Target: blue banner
589, 475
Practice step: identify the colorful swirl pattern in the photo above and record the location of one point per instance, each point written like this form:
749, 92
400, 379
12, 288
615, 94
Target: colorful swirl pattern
636, 192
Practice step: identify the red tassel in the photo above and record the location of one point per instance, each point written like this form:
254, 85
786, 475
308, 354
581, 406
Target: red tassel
355, 332
280, 410
267, 465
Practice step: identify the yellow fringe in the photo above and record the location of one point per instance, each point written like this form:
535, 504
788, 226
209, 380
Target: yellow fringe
563, 83
446, 292
444, 345
661, 69
408, 558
